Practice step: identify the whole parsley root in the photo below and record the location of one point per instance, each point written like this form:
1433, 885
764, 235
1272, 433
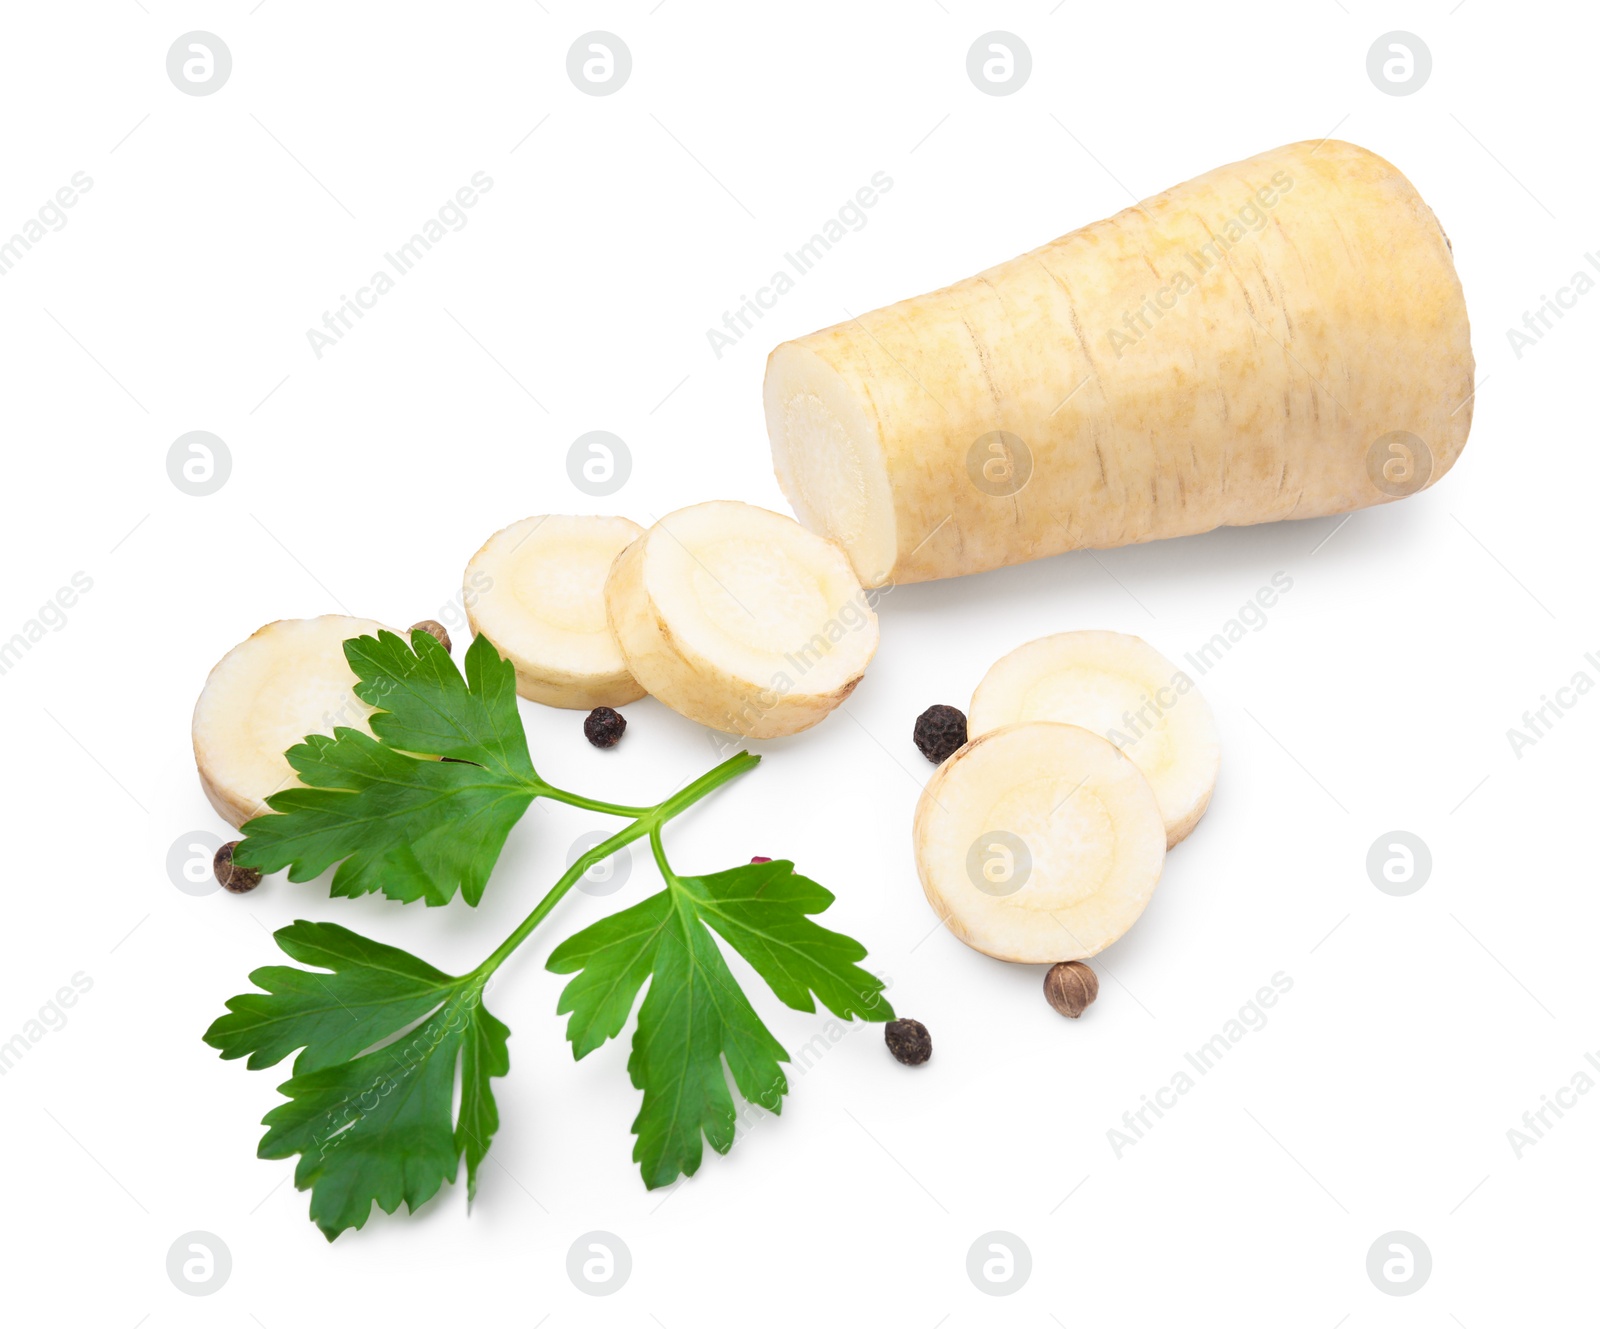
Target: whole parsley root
947, 434
939, 731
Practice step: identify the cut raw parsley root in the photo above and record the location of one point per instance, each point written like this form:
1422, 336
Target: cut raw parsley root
1127, 692
1039, 842
379, 1033
287, 680
741, 620
1251, 345
537, 590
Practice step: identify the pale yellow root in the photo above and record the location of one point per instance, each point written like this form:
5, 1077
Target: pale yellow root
741, 620
287, 680
537, 591
1123, 689
1236, 350
1039, 842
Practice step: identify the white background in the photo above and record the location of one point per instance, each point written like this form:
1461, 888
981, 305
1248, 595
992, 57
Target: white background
1378, 696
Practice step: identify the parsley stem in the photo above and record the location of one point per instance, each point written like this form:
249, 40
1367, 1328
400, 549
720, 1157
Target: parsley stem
698, 788
660, 852
592, 804
632, 831
648, 822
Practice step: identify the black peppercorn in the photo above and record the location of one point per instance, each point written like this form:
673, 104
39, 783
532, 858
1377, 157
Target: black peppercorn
940, 731
603, 727
434, 629
908, 1041
233, 878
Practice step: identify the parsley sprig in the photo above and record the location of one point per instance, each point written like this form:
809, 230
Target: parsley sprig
421, 808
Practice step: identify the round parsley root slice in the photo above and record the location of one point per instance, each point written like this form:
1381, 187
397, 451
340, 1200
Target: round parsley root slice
1039, 842
265, 695
537, 591
1126, 691
740, 619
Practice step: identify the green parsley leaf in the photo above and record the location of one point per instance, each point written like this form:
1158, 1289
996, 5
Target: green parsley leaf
695, 1017
369, 1125
426, 706
385, 809
374, 1110
371, 990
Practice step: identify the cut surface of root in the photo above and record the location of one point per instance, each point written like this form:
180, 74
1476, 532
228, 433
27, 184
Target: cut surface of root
537, 591
1039, 842
288, 680
1127, 692
740, 619
828, 460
